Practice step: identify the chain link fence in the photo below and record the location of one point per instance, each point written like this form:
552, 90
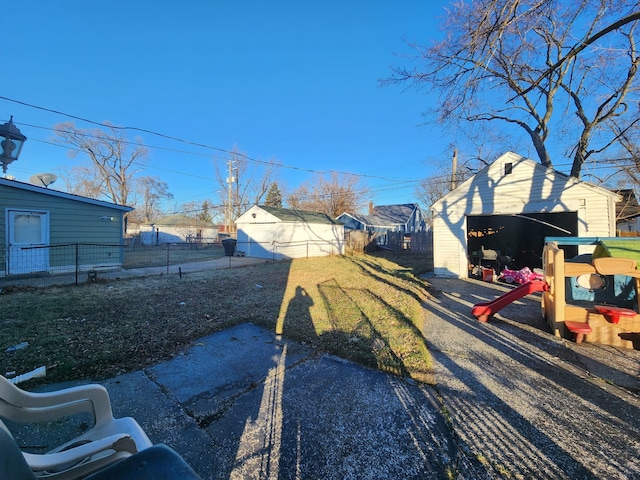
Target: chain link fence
76, 263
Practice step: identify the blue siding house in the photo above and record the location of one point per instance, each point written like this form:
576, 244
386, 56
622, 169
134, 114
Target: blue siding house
40, 228
404, 218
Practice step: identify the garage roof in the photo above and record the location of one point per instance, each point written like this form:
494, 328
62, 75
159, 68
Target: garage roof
288, 215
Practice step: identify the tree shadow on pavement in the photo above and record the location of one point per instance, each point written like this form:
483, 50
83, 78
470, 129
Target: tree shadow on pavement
518, 401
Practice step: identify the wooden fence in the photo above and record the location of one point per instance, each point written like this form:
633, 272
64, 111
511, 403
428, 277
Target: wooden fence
417, 242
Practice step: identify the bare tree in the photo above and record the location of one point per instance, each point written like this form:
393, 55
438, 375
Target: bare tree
245, 182
151, 191
204, 211
114, 160
299, 198
561, 72
332, 194
431, 189
80, 180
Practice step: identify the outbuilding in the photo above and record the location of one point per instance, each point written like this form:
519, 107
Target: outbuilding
502, 215
45, 230
280, 233
178, 229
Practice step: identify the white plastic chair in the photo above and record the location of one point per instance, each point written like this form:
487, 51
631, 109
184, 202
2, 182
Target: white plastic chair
108, 441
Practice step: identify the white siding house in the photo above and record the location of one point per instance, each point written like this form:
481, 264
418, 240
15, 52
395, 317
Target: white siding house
279, 233
510, 207
177, 229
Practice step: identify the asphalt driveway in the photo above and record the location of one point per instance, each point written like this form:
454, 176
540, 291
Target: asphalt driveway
526, 403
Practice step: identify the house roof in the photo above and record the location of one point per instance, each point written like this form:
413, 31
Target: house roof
357, 217
386, 215
392, 214
180, 220
56, 193
288, 215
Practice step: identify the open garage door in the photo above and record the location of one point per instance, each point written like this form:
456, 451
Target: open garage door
516, 241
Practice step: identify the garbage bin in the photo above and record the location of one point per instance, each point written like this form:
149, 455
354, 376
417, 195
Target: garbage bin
229, 245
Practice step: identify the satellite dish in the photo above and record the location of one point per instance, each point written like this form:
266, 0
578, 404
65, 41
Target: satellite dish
43, 179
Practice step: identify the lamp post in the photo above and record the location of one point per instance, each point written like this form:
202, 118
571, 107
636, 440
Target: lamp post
11, 144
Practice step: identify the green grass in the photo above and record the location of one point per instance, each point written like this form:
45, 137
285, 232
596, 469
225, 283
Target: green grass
364, 308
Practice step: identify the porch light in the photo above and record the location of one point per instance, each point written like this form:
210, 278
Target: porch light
11, 144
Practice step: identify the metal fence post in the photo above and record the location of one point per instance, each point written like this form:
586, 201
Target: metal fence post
77, 262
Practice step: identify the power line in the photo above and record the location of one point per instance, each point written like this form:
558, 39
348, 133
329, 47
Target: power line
398, 183
189, 142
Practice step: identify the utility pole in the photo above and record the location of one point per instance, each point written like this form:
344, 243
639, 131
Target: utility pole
454, 169
231, 179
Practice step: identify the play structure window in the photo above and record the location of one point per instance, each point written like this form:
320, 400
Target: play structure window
592, 282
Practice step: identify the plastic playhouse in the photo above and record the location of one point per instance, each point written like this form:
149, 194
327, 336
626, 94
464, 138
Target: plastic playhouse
592, 297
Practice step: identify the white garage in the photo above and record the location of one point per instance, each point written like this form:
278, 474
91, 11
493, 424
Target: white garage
507, 210
279, 233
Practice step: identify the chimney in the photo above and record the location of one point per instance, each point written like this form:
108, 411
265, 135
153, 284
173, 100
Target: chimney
370, 207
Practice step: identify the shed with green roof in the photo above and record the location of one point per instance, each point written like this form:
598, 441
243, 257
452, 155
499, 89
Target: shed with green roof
178, 228
280, 233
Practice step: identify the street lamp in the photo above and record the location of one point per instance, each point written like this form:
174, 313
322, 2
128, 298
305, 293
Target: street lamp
11, 144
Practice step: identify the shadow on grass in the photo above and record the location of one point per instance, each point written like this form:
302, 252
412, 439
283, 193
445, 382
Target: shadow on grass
371, 339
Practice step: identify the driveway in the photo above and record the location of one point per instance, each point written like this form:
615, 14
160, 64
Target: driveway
526, 403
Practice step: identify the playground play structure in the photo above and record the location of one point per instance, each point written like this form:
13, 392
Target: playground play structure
592, 297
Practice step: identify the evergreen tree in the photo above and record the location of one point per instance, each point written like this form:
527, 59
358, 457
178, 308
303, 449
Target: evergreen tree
205, 213
274, 197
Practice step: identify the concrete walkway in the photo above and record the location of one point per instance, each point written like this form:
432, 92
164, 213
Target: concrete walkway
246, 404
177, 269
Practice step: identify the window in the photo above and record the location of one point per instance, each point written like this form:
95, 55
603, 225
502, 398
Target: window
508, 168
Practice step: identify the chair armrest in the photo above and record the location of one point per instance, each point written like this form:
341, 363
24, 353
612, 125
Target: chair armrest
126, 425
48, 461
26, 406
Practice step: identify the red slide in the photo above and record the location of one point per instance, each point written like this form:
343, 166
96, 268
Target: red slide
483, 311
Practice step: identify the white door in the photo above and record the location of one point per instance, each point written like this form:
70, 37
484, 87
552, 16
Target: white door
28, 234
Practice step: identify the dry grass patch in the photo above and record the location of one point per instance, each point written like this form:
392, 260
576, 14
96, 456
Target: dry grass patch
364, 308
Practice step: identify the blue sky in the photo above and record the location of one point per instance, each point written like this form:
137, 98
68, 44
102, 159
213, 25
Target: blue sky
296, 81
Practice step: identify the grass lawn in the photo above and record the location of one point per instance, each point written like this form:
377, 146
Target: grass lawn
366, 308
